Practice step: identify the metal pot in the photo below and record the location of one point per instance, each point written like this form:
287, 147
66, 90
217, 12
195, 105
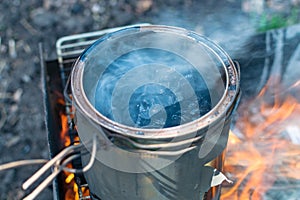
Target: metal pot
160, 101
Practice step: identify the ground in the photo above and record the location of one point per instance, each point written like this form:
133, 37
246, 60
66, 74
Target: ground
24, 24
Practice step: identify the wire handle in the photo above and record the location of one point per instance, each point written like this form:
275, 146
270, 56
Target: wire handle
59, 163
20, 163
66, 95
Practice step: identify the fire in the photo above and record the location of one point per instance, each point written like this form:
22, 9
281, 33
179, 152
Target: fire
264, 149
73, 191
64, 124
71, 188
64, 131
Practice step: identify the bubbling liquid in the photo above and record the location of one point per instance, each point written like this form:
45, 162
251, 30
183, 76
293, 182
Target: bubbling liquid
151, 88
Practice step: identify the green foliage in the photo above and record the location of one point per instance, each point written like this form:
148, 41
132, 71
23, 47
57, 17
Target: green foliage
268, 22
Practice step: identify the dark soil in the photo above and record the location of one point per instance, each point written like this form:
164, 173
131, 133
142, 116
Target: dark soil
24, 24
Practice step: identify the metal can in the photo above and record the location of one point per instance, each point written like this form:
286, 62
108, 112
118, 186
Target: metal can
160, 100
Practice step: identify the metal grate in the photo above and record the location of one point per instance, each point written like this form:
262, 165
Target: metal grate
68, 48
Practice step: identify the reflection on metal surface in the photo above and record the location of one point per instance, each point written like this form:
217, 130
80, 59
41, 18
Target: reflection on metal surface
122, 170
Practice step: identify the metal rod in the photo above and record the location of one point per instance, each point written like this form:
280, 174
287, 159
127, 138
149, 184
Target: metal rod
59, 43
48, 165
156, 146
72, 53
90, 37
149, 152
77, 44
58, 167
43, 185
166, 153
21, 163
91, 161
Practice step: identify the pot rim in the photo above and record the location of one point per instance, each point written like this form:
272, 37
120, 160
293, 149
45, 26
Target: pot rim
218, 112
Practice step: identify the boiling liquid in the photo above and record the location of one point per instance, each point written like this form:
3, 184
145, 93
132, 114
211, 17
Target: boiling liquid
151, 88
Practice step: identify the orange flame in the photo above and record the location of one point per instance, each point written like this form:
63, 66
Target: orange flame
64, 125
263, 152
71, 188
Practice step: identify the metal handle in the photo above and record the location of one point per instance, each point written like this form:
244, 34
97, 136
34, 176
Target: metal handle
146, 147
59, 163
21, 163
66, 95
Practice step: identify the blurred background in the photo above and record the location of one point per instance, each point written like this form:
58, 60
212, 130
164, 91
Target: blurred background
25, 24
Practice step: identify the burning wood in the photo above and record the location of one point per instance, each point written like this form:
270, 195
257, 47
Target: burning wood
264, 153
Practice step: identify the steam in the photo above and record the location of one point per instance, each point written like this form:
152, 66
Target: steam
152, 80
